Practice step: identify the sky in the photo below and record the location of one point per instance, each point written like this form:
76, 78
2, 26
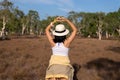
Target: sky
47, 8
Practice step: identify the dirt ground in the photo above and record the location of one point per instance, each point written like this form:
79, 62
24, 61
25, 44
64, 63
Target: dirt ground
27, 59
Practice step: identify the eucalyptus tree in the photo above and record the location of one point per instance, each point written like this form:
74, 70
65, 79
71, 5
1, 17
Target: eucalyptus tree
109, 23
91, 24
33, 20
81, 22
72, 16
25, 23
5, 13
76, 18
45, 22
17, 20
118, 22
116, 26
88, 23
100, 22
113, 23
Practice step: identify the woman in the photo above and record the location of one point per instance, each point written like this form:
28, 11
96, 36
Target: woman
59, 65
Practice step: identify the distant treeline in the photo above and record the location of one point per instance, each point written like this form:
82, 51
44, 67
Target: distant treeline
94, 25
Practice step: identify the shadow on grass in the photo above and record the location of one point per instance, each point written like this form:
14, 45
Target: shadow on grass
107, 69
76, 69
114, 49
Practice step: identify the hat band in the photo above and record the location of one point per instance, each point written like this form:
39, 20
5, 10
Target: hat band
60, 31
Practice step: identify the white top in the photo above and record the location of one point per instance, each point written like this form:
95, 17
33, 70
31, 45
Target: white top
60, 49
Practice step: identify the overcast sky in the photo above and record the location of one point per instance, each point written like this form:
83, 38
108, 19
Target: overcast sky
62, 7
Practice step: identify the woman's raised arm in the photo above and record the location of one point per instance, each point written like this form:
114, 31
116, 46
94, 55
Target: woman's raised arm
73, 34
48, 34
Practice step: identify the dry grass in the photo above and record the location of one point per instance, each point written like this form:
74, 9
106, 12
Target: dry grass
27, 59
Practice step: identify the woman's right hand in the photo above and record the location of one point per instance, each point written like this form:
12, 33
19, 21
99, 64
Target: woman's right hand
60, 19
64, 19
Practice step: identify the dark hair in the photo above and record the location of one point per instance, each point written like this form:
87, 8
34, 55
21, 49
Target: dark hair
59, 39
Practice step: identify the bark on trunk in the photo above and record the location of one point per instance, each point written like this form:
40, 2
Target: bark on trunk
118, 30
31, 31
107, 35
3, 28
100, 32
23, 28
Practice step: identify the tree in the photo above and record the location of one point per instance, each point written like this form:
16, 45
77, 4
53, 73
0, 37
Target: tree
78, 18
5, 13
112, 20
100, 22
17, 20
88, 24
33, 19
45, 23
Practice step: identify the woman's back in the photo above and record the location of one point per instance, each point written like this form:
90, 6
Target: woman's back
60, 49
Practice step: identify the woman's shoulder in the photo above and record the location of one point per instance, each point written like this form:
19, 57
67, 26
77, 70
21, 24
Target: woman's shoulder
66, 44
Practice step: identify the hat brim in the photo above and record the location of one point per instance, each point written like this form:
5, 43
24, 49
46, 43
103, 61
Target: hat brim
60, 34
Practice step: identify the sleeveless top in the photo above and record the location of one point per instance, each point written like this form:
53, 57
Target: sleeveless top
60, 49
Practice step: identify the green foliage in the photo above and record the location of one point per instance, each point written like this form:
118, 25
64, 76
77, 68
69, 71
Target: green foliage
86, 22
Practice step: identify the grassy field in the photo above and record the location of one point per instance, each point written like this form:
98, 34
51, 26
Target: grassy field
27, 59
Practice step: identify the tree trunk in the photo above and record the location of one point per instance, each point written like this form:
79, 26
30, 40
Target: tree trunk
118, 30
41, 31
31, 31
3, 28
100, 32
100, 36
79, 30
23, 28
100, 29
107, 35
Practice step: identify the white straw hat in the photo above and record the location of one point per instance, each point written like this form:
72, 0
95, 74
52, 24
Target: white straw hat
60, 30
